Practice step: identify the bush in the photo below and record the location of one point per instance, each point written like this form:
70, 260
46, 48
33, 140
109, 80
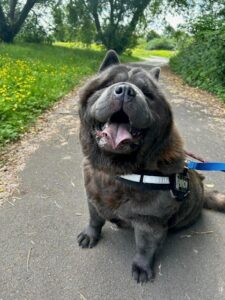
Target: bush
162, 43
202, 63
152, 35
36, 35
33, 32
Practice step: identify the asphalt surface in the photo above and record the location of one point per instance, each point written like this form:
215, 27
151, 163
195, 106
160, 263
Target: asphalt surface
39, 255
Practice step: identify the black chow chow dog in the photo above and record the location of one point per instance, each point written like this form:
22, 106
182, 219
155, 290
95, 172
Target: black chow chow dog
134, 166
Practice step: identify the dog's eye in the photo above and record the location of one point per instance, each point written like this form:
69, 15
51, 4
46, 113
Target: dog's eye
148, 94
104, 85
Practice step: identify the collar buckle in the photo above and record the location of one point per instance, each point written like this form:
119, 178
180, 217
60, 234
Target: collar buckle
180, 185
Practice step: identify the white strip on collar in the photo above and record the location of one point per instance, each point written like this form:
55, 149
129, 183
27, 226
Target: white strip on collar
156, 179
147, 179
132, 177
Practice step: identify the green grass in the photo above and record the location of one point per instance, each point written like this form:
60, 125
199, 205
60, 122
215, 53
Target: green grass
80, 45
33, 77
142, 53
137, 53
96, 47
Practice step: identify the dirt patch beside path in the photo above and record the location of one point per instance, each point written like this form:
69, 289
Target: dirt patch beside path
15, 155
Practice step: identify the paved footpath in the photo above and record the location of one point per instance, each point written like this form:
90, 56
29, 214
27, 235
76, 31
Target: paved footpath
39, 256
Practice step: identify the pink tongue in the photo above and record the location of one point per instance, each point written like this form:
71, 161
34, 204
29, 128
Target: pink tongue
117, 133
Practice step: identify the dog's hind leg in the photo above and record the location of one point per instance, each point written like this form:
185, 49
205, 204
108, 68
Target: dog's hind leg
148, 240
90, 236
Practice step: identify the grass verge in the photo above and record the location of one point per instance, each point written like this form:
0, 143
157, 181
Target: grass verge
33, 77
142, 53
137, 53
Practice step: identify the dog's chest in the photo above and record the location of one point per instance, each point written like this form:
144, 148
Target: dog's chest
112, 197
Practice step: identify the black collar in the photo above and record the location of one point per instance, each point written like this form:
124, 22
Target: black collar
178, 183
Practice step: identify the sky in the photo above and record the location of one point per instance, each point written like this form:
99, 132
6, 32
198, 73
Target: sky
174, 20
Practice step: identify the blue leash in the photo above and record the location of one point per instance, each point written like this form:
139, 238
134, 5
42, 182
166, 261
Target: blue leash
206, 166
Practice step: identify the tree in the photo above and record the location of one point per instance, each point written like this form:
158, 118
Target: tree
80, 22
35, 31
152, 34
169, 31
207, 16
59, 21
13, 14
115, 21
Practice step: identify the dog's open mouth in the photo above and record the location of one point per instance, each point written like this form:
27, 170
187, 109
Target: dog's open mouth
118, 132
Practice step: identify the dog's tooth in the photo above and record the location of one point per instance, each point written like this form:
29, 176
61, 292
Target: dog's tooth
105, 125
102, 142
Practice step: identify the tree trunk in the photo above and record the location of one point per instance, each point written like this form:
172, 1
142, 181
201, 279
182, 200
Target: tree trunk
23, 15
9, 27
12, 8
94, 11
7, 37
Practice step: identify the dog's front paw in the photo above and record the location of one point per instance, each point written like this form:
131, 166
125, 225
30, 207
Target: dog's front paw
142, 274
88, 238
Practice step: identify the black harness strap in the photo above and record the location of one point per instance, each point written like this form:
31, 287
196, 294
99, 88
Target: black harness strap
178, 183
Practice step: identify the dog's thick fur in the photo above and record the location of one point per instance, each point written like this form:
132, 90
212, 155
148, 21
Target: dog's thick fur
118, 99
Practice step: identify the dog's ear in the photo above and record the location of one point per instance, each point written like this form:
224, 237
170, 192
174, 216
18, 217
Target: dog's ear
111, 58
155, 73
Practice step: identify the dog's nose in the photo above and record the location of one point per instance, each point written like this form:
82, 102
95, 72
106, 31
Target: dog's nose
124, 92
